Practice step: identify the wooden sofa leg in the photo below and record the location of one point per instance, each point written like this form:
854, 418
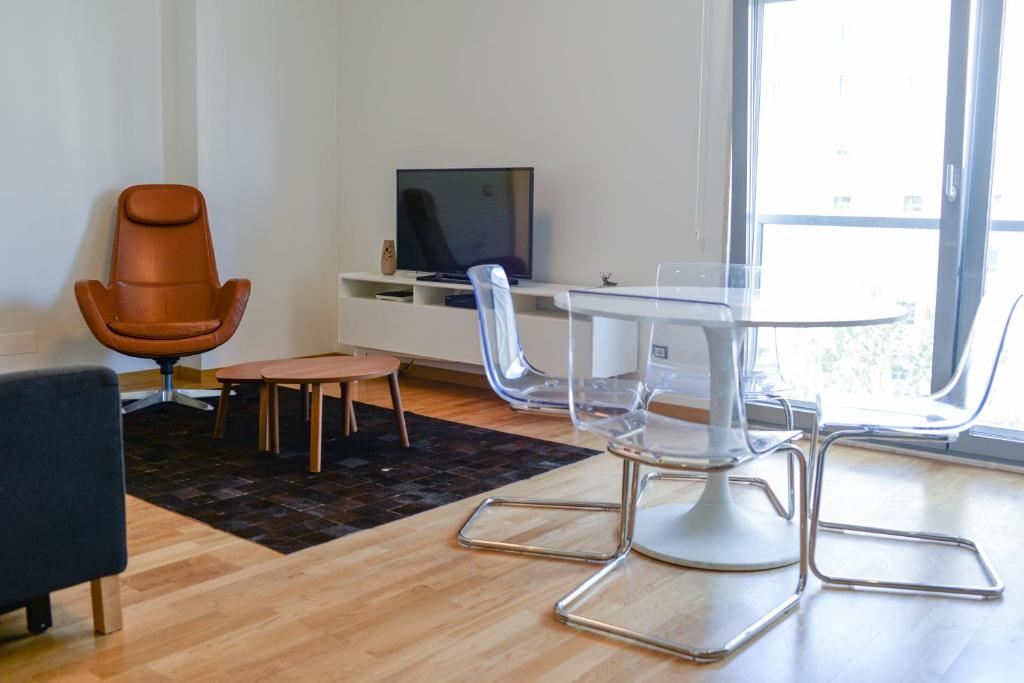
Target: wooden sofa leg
106, 604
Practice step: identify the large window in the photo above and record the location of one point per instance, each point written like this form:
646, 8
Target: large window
1005, 253
867, 147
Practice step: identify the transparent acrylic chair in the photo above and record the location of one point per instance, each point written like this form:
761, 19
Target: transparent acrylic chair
761, 376
643, 438
528, 389
761, 379
943, 416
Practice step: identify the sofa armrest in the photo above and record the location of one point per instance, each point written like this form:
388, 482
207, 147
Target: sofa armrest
61, 480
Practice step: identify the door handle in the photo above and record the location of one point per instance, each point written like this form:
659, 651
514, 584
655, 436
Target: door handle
951, 186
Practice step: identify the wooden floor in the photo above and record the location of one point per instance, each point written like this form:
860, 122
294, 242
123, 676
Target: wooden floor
404, 602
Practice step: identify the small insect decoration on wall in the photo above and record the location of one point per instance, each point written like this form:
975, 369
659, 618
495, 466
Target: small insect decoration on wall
606, 280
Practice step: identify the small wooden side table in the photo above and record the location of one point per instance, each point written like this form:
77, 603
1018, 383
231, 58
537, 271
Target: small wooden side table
341, 369
252, 373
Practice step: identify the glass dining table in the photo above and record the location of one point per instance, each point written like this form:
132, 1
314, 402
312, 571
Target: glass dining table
716, 532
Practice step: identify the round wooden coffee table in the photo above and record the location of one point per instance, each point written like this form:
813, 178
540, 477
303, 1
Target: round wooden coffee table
336, 369
252, 373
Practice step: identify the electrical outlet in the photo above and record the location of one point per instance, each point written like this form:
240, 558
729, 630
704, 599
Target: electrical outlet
659, 351
488, 190
17, 343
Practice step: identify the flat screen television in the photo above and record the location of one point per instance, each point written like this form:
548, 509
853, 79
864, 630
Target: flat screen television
449, 220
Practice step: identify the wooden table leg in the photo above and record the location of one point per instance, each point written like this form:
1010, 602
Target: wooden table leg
346, 423
304, 393
222, 411
396, 404
316, 427
274, 418
106, 604
264, 439
348, 412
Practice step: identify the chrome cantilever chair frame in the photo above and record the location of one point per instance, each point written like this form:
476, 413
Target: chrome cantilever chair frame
486, 280
684, 449
564, 607
990, 592
550, 504
491, 278
598, 506
967, 391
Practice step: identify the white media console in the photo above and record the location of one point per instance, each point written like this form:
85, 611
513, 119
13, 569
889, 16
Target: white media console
425, 328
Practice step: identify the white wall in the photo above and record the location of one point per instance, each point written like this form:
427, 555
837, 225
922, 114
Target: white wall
80, 120
601, 96
268, 160
291, 116
237, 97
178, 91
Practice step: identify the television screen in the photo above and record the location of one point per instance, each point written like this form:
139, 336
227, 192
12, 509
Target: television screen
450, 220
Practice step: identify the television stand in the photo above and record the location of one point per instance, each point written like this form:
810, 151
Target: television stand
453, 277
428, 329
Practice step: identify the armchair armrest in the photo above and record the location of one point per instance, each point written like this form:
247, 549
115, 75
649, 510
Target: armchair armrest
229, 305
97, 306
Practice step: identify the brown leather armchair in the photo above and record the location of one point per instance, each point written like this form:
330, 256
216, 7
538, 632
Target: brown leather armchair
164, 299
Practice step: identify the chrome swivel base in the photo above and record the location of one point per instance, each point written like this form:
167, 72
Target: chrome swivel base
168, 394
164, 396
564, 607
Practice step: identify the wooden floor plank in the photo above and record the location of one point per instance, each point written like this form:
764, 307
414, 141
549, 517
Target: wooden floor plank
405, 602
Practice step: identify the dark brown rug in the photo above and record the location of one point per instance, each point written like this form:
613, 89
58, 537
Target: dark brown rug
368, 479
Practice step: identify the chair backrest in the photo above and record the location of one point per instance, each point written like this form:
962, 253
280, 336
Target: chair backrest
163, 268
504, 361
971, 384
710, 275
759, 368
590, 402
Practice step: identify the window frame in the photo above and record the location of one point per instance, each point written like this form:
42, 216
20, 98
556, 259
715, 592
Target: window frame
976, 29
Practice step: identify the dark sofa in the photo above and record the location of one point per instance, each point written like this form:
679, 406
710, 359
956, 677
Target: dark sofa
62, 517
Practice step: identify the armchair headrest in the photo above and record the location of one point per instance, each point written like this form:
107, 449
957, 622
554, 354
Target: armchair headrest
166, 205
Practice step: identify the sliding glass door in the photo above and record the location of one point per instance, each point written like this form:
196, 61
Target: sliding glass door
1001, 241
865, 164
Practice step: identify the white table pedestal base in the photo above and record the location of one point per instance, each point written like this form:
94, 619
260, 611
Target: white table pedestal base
720, 536
716, 533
